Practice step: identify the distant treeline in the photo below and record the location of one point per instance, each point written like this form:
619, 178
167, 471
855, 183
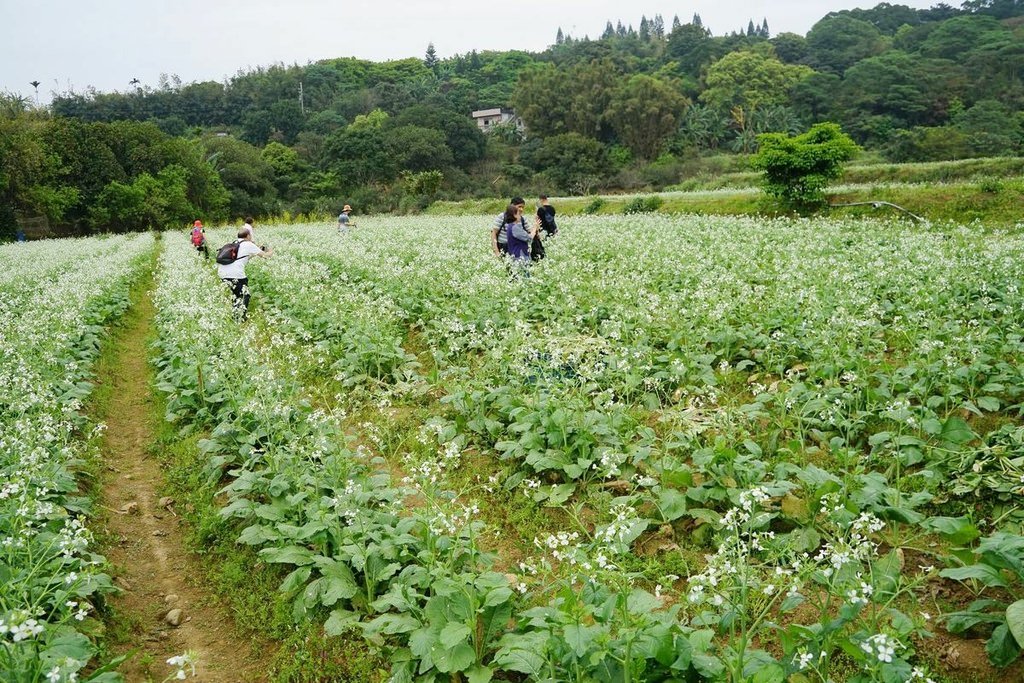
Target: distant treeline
629, 110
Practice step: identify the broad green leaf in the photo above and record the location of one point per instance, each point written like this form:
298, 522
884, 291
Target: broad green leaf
422, 641
1002, 648
671, 504
498, 596
989, 403
886, 572
988, 575
453, 633
295, 580
1015, 621
292, 554
958, 530
773, 673
956, 431
578, 637
641, 602
459, 658
522, 653
339, 621
479, 673
68, 646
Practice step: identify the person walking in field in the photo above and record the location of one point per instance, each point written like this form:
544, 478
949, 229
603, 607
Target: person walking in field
248, 228
519, 237
343, 220
199, 239
231, 260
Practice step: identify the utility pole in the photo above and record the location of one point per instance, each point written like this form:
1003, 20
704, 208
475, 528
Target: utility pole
302, 101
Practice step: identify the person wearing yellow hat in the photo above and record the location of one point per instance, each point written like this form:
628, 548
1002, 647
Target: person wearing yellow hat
343, 220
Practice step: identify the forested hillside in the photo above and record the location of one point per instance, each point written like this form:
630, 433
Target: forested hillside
628, 110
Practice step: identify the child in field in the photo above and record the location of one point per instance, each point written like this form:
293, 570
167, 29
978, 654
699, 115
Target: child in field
199, 239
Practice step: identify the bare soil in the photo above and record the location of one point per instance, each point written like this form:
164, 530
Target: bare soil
146, 538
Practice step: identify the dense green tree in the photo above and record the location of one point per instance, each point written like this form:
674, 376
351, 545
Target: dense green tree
248, 178
325, 122
539, 99
86, 161
285, 163
813, 98
461, 135
575, 163
926, 144
644, 112
837, 42
361, 155
29, 174
416, 149
148, 202
257, 126
287, 119
990, 129
908, 90
703, 127
791, 48
430, 60
886, 17
750, 79
691, 47
956, 38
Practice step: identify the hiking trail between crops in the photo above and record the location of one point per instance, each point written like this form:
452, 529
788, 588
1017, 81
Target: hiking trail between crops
145, 535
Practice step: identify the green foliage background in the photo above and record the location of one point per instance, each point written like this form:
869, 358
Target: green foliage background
628, 111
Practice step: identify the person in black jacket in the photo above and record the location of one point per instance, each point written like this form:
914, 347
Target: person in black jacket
546, 214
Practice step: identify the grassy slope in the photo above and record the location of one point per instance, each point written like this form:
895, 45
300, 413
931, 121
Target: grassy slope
987, 190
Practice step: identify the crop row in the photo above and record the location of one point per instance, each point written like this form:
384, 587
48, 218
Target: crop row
812, 371
56, 299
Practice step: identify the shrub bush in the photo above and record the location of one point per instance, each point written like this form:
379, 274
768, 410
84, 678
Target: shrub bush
643, 205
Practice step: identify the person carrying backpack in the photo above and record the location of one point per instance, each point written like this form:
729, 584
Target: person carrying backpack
231, 260
519, 237
546, 214
199, 239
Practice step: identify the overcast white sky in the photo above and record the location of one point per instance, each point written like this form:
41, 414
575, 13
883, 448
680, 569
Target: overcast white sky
105, 43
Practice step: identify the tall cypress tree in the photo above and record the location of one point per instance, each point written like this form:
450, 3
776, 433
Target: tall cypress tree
658, 27
430, 60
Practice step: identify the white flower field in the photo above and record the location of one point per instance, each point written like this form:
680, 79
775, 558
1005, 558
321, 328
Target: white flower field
680, 448
55, 299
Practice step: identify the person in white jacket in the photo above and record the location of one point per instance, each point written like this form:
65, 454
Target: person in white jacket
234, 273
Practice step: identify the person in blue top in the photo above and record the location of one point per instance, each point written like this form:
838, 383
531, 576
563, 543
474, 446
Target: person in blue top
343, 220
519, 237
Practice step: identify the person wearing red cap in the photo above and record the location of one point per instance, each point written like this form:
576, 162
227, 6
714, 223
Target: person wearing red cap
199, 239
